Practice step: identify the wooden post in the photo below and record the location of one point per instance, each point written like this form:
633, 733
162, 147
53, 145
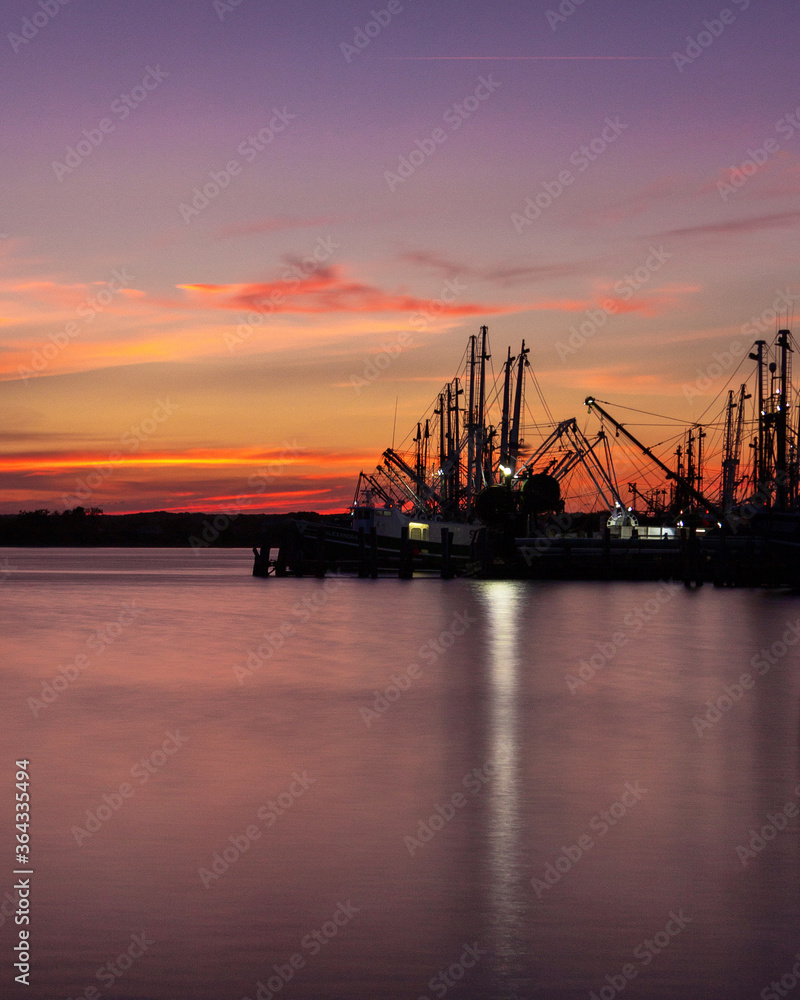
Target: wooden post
446, 572
321, 537
406, 568
486, 554
363, 568
607, 552
259, 563
294, 553
373, 552
280, 562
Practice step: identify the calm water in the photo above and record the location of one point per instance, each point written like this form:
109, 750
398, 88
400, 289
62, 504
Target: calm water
566, 822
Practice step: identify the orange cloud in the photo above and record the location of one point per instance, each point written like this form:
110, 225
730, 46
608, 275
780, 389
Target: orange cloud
326, 291
658, 301
51, 461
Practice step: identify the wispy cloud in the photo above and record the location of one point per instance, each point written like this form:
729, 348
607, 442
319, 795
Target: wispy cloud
503, 273
329, 290
271, 224
533, 58
754, 224
671, 189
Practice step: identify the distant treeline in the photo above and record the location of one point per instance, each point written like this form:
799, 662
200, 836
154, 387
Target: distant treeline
90, 526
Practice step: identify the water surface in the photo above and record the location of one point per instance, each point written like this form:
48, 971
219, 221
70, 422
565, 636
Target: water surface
528, 769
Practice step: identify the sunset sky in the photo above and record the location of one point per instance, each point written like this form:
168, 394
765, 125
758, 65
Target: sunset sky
215, 215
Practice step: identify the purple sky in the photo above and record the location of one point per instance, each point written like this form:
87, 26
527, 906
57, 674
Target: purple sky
120, 296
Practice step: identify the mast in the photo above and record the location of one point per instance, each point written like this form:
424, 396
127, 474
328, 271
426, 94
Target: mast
734, 427
698, 476
513, 438
471, 423
418, 463
504, 421
442, 453
795, 462
758, 357
784, 393
451, 453
480, 477
457, 391
677, 494
425, 440
729, 462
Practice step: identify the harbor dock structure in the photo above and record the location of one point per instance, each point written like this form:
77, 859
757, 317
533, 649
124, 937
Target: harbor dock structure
482, 489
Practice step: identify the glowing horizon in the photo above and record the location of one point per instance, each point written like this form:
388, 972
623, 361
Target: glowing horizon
217, 233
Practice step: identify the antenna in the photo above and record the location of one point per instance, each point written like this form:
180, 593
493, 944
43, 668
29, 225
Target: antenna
394, 426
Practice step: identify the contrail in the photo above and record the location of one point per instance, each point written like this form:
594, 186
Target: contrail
522, 57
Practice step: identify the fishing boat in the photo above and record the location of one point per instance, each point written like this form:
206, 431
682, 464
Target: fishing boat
475, 490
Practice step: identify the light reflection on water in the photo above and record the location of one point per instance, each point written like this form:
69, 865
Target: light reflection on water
558, 761
504, 604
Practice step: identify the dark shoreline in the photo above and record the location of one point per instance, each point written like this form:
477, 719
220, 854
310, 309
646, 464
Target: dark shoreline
148, 529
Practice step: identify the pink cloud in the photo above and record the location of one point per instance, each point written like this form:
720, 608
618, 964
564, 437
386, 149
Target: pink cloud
327, 291
755, 224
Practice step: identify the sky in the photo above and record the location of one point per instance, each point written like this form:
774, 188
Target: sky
235, 238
